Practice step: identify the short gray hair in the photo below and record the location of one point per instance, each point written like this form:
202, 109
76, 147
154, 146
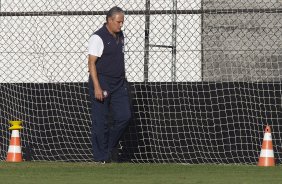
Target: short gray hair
114, 10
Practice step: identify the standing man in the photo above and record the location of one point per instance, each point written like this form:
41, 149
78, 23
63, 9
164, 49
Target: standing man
108, 85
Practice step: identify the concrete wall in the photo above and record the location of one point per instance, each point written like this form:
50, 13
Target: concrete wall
239, 4
242, 46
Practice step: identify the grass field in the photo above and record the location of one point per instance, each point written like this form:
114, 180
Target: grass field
81, 173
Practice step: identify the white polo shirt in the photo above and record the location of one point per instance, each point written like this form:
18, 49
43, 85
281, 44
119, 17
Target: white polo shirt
95, 46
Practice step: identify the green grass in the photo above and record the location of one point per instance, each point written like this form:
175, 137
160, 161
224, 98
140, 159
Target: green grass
81, 173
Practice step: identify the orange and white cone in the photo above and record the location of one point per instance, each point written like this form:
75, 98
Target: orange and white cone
267, 154
14, 151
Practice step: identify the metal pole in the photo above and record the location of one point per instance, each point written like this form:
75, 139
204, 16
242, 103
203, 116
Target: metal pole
142, 12
174, 36
147, 41
202, 44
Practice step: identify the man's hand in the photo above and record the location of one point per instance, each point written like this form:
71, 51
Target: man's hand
99, 94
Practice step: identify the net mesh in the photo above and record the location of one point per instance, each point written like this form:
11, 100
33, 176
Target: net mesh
204, 75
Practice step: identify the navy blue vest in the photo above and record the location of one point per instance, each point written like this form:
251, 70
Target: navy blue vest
111, 62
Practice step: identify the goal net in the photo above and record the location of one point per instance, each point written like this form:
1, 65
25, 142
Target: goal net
205, 78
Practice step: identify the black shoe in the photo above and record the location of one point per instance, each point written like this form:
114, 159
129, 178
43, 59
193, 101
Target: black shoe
100, 162
114, 155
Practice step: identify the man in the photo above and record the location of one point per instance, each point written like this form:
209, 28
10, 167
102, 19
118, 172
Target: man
107, 85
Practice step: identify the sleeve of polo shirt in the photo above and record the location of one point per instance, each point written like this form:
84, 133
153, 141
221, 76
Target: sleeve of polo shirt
95, 46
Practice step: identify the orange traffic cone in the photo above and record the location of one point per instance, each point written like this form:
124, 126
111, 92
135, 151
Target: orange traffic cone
15, 152
267, 155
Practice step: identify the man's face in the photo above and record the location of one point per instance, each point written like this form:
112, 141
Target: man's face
115, 22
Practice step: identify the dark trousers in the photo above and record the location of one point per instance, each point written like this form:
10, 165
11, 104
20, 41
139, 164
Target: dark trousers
115, 108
